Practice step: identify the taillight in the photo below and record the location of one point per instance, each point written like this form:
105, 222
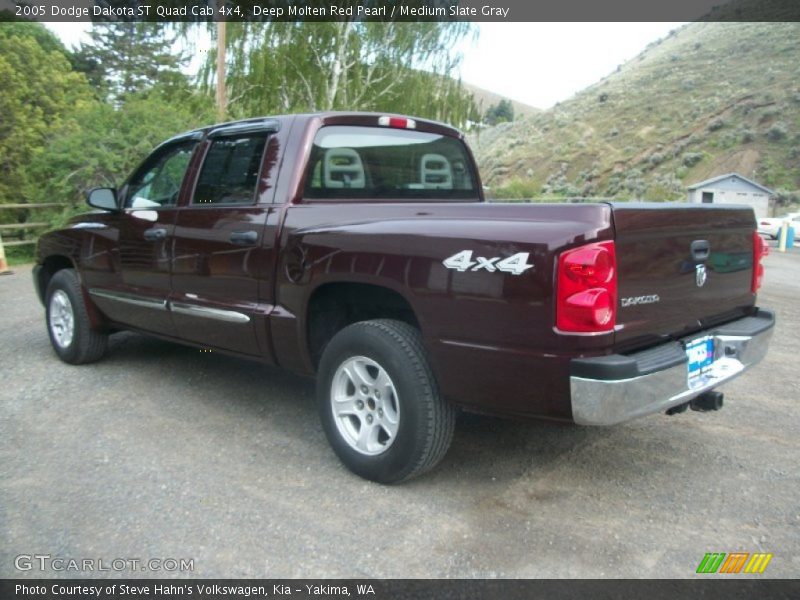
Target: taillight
586, 289
397, 122
760, 250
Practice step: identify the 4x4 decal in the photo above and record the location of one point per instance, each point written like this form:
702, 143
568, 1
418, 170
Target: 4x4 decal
462, 261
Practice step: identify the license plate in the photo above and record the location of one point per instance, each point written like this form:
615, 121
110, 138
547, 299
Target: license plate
700, 353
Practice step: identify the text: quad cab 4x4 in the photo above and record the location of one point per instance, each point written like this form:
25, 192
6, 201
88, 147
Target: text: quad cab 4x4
359, 248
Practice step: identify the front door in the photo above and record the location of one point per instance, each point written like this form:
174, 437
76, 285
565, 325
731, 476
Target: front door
146, 224
218, 253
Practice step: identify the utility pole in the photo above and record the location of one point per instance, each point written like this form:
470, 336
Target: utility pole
222, 92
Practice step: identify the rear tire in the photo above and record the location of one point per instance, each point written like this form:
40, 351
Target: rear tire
379, 402
68, 325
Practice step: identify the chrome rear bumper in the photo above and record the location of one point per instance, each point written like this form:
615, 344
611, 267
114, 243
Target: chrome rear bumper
612, 389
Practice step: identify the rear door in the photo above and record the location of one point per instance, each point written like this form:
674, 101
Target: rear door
681, 268
220, 250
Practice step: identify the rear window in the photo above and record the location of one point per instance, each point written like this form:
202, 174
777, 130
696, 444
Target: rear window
388, 164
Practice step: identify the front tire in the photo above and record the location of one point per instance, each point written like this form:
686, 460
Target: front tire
71, 335
379, 402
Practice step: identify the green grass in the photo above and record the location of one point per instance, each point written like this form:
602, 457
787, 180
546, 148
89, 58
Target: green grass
20, 255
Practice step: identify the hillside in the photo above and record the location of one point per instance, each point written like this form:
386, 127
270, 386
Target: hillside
709, 99
484, 99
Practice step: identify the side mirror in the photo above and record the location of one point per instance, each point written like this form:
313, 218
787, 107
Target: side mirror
103, 198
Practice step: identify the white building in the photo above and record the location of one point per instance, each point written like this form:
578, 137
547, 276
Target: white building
732, 189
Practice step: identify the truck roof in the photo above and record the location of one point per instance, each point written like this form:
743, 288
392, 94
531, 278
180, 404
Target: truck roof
352, 117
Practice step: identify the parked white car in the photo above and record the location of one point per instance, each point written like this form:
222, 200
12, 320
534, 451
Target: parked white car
772, 226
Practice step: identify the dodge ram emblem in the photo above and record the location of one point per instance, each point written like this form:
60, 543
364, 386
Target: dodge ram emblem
700, 275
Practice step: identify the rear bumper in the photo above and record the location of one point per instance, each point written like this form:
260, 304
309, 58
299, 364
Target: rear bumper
612, 389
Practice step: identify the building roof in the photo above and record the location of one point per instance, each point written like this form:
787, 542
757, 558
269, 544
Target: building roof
700, 184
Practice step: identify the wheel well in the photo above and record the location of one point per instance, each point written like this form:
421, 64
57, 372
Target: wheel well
51, 266
334, 306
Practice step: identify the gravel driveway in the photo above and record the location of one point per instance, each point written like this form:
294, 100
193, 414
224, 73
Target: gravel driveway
161, 451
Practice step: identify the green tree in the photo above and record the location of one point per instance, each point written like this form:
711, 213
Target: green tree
104, 143
127, 58
46, 40
501, 112
305, 66
39, 93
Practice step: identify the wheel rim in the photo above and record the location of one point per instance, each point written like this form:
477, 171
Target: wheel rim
365, 405
62, 319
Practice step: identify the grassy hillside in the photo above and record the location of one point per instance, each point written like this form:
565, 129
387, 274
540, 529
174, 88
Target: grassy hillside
709, 99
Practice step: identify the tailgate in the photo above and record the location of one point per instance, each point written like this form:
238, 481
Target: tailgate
681, 268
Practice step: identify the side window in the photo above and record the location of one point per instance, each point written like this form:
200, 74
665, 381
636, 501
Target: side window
158, 183
230, 171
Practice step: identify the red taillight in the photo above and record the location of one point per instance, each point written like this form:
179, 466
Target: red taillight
587, 289
397, 122
760, 250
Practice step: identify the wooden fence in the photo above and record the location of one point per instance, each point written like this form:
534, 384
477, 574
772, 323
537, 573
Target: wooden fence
24, 227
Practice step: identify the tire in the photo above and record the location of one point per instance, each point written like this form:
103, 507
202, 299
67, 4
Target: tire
411, 425
72, 338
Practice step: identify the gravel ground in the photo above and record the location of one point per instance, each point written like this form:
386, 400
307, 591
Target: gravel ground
160, 451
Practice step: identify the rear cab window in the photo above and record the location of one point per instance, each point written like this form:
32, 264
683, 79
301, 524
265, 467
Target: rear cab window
376, 163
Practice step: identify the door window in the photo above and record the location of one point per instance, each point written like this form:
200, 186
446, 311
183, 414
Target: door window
230, 171
158, 183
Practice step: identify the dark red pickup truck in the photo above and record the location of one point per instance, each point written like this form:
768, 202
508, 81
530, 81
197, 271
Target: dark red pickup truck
359, 247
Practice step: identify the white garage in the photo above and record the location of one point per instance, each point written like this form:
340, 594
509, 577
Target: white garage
732, 188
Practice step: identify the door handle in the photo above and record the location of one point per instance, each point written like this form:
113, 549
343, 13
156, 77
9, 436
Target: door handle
153, 235
244, 238
700, 249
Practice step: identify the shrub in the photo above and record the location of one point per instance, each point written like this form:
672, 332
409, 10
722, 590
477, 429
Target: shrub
516, 189
747, 136
769, 113
777, 132
729, 140
690, 159
716, 124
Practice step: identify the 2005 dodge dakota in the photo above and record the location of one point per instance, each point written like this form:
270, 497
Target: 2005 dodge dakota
358, 247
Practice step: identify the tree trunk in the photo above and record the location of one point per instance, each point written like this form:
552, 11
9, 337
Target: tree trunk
337, 71
222, 92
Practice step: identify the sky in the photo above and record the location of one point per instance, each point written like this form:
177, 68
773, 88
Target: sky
543, 63
535, 63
